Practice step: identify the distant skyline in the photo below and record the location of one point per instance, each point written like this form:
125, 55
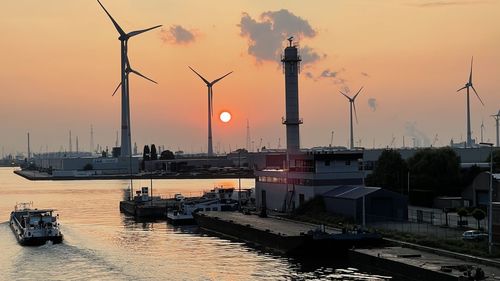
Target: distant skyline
60, 65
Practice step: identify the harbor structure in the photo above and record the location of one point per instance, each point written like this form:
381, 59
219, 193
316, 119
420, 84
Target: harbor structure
290, 178
210, 149
291, 65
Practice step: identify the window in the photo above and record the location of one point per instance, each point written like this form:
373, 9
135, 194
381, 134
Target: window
327, 162
348, 162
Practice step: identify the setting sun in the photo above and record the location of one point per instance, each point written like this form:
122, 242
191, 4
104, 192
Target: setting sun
225, 117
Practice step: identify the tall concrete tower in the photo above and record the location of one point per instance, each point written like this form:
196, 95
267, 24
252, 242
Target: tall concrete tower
291, 65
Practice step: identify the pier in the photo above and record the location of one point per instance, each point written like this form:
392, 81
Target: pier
283, 236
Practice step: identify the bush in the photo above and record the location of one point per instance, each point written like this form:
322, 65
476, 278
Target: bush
479, 215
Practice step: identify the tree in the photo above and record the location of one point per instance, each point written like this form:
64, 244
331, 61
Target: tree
166, 155
479, 215
390, 171
436, 170
146, 153
462, 212
153, 153
496, 160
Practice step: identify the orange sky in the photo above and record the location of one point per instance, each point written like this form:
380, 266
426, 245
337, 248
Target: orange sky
60, 64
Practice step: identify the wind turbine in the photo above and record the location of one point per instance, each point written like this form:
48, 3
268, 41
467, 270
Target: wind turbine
467, 86
210, 107
497, 119
126, 144
351, 106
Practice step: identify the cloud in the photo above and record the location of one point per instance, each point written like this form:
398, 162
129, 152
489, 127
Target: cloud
372, 103
267, 34
334, 76
365, 74
432, 4
419, 138
309, 75
177, 34
329, 74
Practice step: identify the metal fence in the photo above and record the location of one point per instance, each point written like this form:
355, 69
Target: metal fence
428, 222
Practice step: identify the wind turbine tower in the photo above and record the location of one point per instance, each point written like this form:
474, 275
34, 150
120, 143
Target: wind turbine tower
126, 142
352, 106
468, 85
210, 107
291, 64
497, 119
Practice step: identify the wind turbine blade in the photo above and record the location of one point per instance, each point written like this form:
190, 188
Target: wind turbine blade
139, 74
218, 79
345, 95
477, 95
464, 87
355, 113
118, 28
204, 80
357, 93
117, 87
137, 32
470, 76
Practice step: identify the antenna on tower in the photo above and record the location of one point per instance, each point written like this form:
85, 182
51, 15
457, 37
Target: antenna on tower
290, 41
116, 141
77, 144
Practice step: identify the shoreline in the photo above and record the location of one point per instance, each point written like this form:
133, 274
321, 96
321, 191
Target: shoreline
37, 176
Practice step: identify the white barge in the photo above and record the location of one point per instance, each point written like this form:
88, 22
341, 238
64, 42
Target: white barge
34, 227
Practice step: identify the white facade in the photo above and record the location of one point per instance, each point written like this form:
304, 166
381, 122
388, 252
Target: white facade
310, 174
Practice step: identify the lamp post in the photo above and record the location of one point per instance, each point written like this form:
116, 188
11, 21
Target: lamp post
490, 205
239, 179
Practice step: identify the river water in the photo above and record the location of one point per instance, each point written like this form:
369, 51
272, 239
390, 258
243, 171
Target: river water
102, 244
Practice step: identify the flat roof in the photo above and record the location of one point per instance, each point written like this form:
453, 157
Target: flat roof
351, 191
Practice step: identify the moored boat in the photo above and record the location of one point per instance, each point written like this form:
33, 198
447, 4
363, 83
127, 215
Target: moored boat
34, 227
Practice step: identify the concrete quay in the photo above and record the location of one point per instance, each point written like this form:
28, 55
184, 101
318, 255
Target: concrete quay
412, 264
36, 176
282, 235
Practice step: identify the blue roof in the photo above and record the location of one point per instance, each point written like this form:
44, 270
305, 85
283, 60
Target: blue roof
350, 191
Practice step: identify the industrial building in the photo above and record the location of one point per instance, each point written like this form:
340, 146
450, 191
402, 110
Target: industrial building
375, 203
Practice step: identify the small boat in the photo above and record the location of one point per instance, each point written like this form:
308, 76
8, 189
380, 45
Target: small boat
34, 227
218, 199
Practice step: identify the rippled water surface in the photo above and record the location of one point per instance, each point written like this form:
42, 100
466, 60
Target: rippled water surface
102, 244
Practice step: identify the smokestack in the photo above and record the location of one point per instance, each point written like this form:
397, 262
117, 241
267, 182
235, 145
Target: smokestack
70, 144
291, 65
29, 151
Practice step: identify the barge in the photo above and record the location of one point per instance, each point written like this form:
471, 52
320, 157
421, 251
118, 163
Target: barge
33, 227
